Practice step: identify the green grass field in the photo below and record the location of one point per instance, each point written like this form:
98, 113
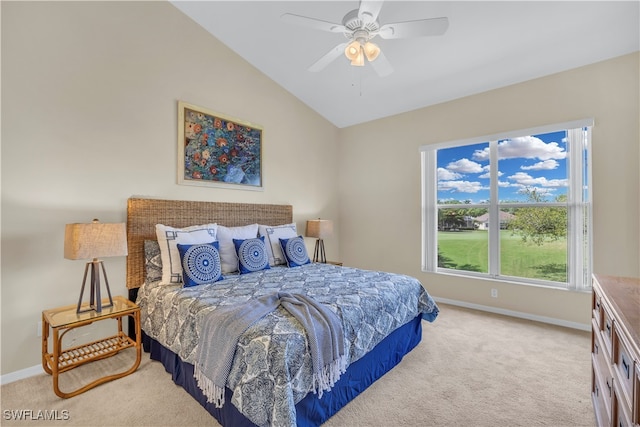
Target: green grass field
468, 250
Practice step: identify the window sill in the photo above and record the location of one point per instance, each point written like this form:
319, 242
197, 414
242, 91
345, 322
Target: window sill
507, 280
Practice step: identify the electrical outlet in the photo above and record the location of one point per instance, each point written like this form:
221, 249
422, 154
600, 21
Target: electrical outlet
39, 328
494, 293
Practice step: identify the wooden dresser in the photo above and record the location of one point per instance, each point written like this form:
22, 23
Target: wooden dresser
615, 350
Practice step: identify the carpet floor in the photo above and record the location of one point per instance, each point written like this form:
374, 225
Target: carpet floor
471, 369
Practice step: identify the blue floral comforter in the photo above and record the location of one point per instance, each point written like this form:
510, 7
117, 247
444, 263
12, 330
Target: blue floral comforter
272, 368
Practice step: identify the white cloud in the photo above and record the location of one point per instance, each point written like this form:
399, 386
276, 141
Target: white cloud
487, 175
528, 147
465, 166
461, 186
526, 180
507, 184
545, 165
447, 175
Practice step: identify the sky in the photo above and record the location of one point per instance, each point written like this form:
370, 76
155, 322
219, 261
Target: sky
529, 162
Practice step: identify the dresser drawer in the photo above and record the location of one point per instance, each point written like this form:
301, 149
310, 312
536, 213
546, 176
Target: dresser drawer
600, 360
602, 383
607, 329
636, 398
601, 399
602, 393
596, 307
621, 411
624, 365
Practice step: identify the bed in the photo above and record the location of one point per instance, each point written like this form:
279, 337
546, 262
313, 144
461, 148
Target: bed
269, 381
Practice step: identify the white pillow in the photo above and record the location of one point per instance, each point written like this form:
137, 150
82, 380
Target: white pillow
168, 239
228, 255
272, 236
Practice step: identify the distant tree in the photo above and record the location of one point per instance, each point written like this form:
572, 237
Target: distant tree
457, 217
540, 224
451, 218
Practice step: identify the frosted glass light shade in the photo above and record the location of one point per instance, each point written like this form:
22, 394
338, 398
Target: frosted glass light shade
371, 50
354, 53
352, 50
359, 61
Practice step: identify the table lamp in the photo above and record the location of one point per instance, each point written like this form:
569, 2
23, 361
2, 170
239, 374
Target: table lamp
92, 241
319, 228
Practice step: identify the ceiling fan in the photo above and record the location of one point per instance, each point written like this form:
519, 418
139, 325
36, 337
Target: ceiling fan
360, 26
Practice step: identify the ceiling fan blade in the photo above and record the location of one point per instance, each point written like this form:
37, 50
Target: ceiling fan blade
419, 28
313, 23
381, 65
329, 57
369, 10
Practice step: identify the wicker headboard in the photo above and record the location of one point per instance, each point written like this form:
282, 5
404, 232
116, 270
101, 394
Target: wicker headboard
144, 214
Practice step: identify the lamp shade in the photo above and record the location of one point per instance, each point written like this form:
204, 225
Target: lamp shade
319, 228
95, 240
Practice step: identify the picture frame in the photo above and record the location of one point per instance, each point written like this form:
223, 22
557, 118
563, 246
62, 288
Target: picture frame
215, 150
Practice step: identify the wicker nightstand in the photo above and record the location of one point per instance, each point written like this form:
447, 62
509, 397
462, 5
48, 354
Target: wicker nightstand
62, 320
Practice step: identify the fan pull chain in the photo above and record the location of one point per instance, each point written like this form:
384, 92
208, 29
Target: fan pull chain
358, 78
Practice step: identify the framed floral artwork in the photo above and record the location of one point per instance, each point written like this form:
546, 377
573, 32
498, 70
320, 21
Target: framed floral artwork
218, 151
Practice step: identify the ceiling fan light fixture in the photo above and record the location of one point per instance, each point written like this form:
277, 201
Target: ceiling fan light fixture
359, 61
352, 51
371, 50
361, 25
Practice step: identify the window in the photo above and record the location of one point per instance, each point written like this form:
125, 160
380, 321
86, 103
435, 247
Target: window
514, 206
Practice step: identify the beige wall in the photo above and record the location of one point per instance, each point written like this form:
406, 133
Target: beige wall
380, 211
89, 118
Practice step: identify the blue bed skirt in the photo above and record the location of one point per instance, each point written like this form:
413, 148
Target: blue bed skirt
310, 411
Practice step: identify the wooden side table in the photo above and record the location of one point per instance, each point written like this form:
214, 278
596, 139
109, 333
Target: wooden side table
62, 320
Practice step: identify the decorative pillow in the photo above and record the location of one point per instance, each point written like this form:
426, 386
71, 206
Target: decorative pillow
200, 263
152, 261
169, 237
228, 253
272, 237
252, 255
295, 251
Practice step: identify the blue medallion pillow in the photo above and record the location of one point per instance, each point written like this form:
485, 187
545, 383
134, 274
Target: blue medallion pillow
295, 251
200, 263
252, 255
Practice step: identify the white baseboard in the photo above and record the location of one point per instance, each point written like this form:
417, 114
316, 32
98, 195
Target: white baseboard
21, 374
543, 319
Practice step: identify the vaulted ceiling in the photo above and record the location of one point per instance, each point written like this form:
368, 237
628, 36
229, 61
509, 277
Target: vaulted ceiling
486, 46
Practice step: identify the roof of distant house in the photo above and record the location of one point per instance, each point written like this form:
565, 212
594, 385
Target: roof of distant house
504, 216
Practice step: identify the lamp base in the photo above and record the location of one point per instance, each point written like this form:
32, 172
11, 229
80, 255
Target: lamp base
95, 300
318, 253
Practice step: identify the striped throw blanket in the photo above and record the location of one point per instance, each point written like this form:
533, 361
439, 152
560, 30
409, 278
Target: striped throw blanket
223, 327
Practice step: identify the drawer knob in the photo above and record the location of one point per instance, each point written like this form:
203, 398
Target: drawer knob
625, 365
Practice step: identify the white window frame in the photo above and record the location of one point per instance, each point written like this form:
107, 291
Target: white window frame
579, 202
